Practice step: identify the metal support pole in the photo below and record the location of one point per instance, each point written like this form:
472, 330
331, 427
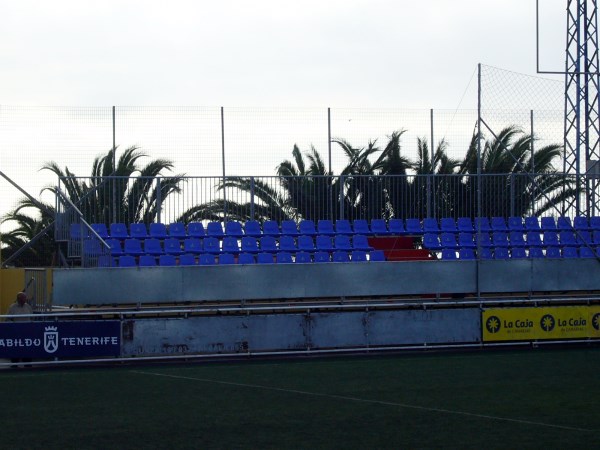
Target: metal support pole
532, 162
431, 185
223, 162
114, 162
479, 184
329, 180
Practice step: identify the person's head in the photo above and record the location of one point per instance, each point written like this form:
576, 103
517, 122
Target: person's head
21, 298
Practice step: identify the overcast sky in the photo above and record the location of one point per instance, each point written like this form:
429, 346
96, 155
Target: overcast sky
355, 53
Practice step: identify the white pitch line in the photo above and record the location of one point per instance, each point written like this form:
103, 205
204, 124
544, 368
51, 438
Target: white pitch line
362, 400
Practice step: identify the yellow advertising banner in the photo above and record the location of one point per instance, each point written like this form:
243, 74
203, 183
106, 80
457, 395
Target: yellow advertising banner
558, 322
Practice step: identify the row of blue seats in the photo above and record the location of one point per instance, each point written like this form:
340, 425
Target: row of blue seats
519, 253
206, 259
247, 244
378, 227
434, 241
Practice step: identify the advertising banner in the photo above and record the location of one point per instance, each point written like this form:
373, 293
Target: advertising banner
558, 322
71, 339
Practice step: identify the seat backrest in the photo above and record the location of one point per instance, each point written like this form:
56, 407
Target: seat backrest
551, 238
321, 256
303, 257
377, 255
595, 223
581, 223
465, 225
482, 224
431, 241
397, 228
177, 230
500, 238
498, 224
133, 246
138, 230
322, 243
271, 228
196, 229
215, 229
466, 253
448, 225
283, 258
115, 246
226, 258
289, 228
361, 242
287, 244
341, 242
548, 224
118, 231
516, 238
379, 227
211, 244
343, 226
127, 261
147, 261
536, 252
485, 253
430, 225
206, 259
264, 258
167, 260
586, 252
534, 239
269, 243
325, 226
449, 254
249, 244
483, 239
465, 240
532, 224
564, 223
553, 252
192, 245
413, 226
187, 259
517, 253
153, 246
341, 256
233, 228
252, 228
158, 230
501, 253
230, 245
515, 224
358, 256
306, 243
361, 226
567, 238
100, 230
172, 246
246, 258
448, 240
570, 252
307, 227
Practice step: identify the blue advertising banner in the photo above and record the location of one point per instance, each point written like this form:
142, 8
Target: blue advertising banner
74, 339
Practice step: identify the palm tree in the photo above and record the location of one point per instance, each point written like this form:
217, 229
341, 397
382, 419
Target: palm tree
109, 195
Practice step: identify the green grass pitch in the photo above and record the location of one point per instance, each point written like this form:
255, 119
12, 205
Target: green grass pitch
494, 399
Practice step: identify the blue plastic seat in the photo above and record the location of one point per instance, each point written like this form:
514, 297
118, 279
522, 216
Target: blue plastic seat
483, 240
361, 242
307, 244
177, 230
322, 243
532, 224
465, 225
431, 241
567, 238
152, 246
548, 224
265, 258
340, 242
138, 230
581, 223
583, 237
596, 237
498, 224
289, 228
207, 259
448, 225
234, 229
158, 230
449, 254
229, 245
466, 253
343, 226
517, 239
500, 239
167, 260
246, 258
100, 230
379, 227
448, 240
211, 244
321, 257
501, 253
396, 227
485, 253
196, 230
172, 246
271, 228
430, 225
115, 247
187, 259
226, 258
536, 252
553, 252
570, 252
515, 224
303, 258
595, 223
192, 245
534, 239
133, 246
587, 252
118, 231
286, 244
215, 229
325, 227
518, 253
284, 258
551, 239
377, 255
482, 224
412, 226
127, 261
361, 226
563, 223
252, 228
465, 240
249, 245
307, 227
269, 244
341, 256
358, 256
147, 261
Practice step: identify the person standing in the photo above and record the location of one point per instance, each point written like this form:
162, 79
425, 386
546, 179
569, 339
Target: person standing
20, 310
